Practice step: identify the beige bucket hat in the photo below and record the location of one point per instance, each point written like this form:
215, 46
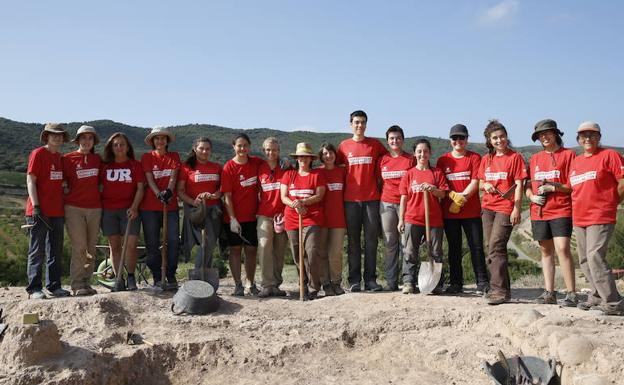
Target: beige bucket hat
84, 129
159, 131
53, 128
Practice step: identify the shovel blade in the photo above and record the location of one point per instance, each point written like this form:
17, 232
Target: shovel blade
428, 276
211, 275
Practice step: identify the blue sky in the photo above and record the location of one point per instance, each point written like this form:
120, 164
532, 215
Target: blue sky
289, 65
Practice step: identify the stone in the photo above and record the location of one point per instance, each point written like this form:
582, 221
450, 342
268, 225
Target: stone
528, 317
575, 350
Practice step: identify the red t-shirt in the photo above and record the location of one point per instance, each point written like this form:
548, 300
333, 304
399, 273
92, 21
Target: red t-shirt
551, 167
392, 170
270, 199
333, 201
411, 186
242, 181
119, 183
48, 169
594, 182
81, 173
459, 172
300, 187
502, 172
205, 178
161, 167
360, 159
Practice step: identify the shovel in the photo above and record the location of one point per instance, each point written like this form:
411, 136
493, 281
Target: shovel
210, 275
430, 271
301, 267
124, 249
164, 250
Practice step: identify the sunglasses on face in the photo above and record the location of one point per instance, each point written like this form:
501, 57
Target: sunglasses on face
458, 137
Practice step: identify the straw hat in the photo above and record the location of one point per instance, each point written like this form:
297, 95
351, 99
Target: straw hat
84, 129
304, 149
53, 128
159, 131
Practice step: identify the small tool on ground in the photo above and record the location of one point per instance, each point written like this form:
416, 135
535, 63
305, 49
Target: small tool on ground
522, 370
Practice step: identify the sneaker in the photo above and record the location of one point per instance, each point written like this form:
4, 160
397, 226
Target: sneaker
373, 286
570, 300
277, 292
239, 290
172, 283
355, 288
586, 305
253, 289
547, 297
328, 289
132, 286
454, 288
157, 284
496, 299
408, 288
60, 292
266, 292
393, 287
338, 290
120, 285
607, 310
482, 288
37, 295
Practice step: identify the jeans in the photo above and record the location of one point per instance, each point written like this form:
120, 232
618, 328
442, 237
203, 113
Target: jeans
413, 236
473, 228
392, 240
497, 230
45, 242
152, 223
192, 234
358, 215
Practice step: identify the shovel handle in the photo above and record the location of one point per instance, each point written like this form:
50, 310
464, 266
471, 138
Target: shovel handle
301, 267
427, 228
164, 250
124, 250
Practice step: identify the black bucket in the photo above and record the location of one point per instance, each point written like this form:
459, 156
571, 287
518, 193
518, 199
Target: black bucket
195, 297
533, 369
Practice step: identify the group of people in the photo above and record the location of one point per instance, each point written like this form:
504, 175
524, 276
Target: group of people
359, 189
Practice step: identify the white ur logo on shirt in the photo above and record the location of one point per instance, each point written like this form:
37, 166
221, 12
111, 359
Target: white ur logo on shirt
118, 175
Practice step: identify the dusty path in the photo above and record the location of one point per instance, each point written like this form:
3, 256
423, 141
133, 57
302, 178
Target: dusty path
364, 338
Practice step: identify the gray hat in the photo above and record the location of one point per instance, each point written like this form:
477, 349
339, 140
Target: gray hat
545, 125
459, 129
53, 128
84, 129
156, 131
589, 126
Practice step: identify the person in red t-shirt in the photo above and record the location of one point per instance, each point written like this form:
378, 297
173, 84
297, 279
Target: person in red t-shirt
392, 167
83, 208
272, 239
239, 184
335, 226
597, 180
461, 209
548, 189
360, 155
418, 180
161, 168
302, 192
123, 186
199, 184
44, 213
502, 173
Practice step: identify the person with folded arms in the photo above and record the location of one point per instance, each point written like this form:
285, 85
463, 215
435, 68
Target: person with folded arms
161, 168
548, 189
123, 186
462, 210
44, 213
83, 208
597, 181
501, 173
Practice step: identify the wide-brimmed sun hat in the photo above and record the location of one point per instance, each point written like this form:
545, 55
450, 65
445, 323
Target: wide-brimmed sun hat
53, 128
545, 125
304, 149
159, 131
588, 126
84, 129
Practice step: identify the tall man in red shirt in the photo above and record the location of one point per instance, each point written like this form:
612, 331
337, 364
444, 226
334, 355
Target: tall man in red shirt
360, 155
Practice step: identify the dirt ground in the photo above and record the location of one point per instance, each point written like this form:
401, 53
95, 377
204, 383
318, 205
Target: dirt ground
363, 338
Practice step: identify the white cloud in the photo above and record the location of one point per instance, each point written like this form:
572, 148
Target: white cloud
499, 12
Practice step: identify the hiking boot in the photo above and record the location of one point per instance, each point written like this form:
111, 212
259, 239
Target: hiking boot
328, 289
157, 284
496, 299
253, 289
132, 286
338, 290
586, 305
310, 295
454, 288
172, 283
266, 292
82, 292
408, 288
607, 310
120, 285
373, 286
90, 290
60, 292
37, 295
391, 287
277, 292
355, 288
570, 300
239, 290
547, 298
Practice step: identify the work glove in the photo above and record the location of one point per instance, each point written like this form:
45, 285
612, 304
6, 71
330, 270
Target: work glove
454, 208
165, 196
36, 211
235, 227
546, 189
457, 198
538, 199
